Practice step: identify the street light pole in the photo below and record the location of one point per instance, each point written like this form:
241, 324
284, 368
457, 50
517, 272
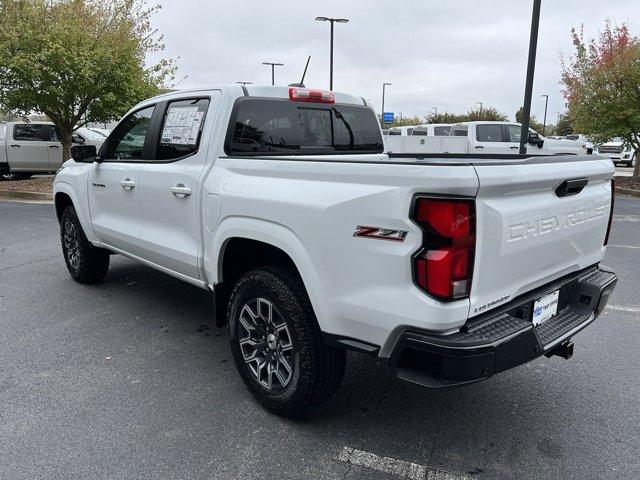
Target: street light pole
384, 86
436, 109
531, 65
331, 20
544, 122
480, 103
273, 70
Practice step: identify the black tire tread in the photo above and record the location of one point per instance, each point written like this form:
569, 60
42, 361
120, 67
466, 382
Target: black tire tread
321, 366
94, 261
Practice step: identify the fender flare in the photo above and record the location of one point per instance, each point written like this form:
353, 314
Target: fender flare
270, 233
82, 209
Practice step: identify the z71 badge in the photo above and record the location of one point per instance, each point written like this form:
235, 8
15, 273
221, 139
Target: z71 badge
380, 233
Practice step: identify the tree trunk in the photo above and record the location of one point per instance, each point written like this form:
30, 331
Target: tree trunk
66, 140
636, 170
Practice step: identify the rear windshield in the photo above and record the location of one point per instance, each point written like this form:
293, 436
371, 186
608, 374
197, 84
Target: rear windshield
273, 126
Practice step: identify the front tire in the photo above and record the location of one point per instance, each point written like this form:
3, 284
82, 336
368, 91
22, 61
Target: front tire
277, 344
86, 263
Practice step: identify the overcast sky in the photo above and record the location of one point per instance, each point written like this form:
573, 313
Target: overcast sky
449, 54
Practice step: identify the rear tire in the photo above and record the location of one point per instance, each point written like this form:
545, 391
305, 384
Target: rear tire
86, 263
277, 344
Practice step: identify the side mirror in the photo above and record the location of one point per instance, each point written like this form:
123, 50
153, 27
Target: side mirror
84, 153
535, 139
78, 139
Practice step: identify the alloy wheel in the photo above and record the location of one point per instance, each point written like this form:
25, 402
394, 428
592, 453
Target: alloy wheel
71, 241
266, 345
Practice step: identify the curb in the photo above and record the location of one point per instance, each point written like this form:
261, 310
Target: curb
628, 191
17, 195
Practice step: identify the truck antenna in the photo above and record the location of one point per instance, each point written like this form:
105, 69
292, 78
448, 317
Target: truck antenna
304, 74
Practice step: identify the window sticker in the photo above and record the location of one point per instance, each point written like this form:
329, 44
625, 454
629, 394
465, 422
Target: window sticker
181, 126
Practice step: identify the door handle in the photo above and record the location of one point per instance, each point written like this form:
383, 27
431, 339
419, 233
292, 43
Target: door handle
514, 148
479, 146
128, 184
15, 146
180, 190
54, 146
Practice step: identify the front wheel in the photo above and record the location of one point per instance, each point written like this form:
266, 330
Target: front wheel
277, 344
86, 263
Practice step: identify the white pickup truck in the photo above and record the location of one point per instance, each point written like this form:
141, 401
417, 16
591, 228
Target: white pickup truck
484, 138
618, 151
28, 148
312, 240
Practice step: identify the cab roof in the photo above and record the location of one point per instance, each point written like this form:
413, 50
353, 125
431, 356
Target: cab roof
268, 91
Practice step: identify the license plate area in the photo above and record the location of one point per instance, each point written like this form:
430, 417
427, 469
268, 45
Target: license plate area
545, 307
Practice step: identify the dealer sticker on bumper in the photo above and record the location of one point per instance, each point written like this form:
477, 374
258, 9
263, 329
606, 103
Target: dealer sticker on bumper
545, 307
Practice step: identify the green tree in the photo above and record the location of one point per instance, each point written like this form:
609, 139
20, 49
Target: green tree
533, 123
405, 121
564, 126
445, 117
601, 86
488, 114
78, 60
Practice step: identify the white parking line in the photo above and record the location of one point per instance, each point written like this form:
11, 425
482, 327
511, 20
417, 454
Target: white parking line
624, 246
399, 468
627, 218
624, 309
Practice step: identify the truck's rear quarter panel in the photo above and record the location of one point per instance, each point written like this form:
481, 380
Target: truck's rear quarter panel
359, 287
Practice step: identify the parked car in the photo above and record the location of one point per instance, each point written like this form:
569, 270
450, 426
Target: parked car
619, 152
433, 130
282, 203
504, 137
29, 148
586, 143
484, 138
88, 136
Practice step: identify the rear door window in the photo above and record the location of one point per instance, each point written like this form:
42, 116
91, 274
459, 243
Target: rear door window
181, 129
441, 131
489, 133
27, 132
260, 126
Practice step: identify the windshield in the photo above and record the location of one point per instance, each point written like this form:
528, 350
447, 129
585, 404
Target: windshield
284, 127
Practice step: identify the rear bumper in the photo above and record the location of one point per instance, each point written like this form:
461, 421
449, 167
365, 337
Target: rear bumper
503, 339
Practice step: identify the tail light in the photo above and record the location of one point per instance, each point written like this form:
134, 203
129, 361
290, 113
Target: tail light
613, 199
311, 95
443, 267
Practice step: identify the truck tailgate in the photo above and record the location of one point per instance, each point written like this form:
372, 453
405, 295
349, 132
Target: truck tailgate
528, 235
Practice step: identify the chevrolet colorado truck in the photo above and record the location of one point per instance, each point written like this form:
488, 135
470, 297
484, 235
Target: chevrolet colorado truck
312, 240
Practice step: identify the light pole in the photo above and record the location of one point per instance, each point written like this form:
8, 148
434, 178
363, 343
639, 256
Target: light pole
384, 86
544, 122
331, 20
273, 70
480, 103
531, 66
436, 110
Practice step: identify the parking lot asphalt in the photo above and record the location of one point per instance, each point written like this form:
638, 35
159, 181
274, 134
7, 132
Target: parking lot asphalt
130, 379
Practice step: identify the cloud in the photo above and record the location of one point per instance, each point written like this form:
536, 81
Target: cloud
435, 52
